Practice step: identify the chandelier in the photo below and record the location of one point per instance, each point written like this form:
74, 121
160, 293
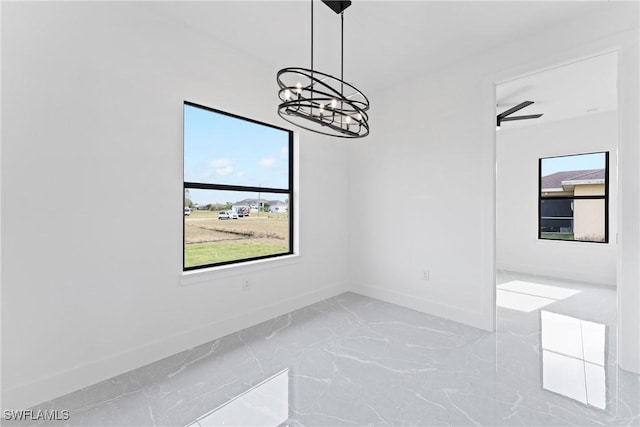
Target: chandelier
320, 102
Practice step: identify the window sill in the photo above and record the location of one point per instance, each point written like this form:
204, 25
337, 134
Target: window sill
215, 273
573, 242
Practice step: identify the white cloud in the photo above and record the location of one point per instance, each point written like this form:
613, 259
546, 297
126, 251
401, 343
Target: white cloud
240, 174
268, 162
222, 166
220, 163
284, 152
225, 170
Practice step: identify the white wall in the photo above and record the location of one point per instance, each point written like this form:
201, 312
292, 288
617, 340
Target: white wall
629, 206
422, 185
432, 152
517, 244
92, 171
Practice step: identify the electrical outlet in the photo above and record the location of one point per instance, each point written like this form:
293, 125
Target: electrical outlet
246, 285
425, 274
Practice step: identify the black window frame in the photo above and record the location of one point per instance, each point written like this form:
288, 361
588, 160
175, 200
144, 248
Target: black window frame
240, 188
605, 197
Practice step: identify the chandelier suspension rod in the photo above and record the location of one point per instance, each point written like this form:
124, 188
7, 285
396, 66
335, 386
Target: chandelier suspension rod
341, 46
311, 81
341, 61
312, 39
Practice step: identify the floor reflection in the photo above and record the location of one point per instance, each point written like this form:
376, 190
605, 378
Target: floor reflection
266, 404
573, 358
529, 296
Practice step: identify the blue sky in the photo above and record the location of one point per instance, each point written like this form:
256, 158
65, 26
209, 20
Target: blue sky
573, 163
219, 149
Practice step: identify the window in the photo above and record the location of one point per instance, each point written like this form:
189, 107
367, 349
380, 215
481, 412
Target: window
238, 188
574, 198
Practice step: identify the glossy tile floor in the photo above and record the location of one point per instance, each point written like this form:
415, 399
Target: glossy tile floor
353, 360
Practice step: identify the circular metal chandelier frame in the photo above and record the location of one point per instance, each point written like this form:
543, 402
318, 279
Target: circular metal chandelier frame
322, 101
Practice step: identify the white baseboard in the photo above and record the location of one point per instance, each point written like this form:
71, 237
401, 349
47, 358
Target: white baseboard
575, 275
58, 384
475, 319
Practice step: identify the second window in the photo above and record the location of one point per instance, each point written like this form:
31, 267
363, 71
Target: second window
574, 198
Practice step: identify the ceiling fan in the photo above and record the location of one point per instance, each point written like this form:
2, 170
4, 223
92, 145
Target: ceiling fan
504, 116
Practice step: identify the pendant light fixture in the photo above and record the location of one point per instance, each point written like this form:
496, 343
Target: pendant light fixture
318, 101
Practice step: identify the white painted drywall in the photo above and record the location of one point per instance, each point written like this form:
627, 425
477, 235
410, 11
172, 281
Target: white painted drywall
517, 246
92, 170
629, 205
423, 182
422, 186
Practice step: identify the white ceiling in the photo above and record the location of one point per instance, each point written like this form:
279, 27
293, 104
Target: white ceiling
385, 41
388, 41
572, 90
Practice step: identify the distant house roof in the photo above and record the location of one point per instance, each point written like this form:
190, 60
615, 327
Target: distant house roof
254, 202
559, 179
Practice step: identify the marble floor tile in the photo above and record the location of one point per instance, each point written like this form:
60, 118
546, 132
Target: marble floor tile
353, 361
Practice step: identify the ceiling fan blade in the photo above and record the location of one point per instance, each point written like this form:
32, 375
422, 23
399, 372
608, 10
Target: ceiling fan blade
532, 116
512, 110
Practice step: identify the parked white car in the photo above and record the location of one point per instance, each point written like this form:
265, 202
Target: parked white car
227, 215
187, 211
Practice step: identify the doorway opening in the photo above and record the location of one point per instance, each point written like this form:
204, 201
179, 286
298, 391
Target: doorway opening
556, 222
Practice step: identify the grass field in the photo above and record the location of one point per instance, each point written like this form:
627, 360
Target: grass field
558, 236
209, 240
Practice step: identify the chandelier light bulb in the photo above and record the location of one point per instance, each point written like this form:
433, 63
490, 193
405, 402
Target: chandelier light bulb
298, 88
287, 94
334, 103
348, 119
